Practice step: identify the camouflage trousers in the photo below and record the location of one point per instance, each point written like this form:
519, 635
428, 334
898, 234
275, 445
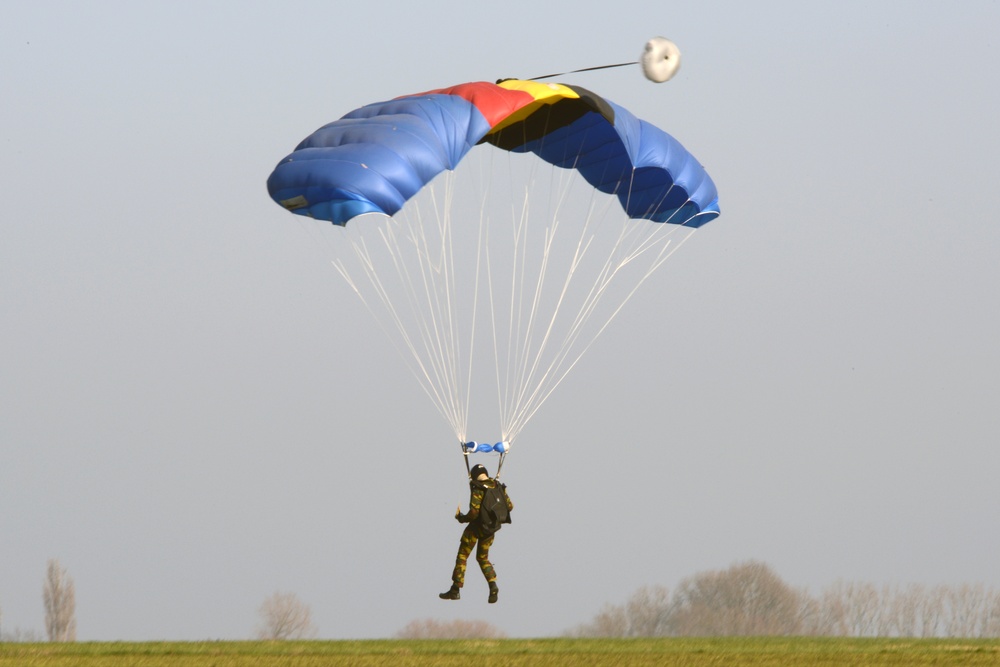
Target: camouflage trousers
469, 540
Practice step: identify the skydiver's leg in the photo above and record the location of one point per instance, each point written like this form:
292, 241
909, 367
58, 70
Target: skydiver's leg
483, 556
465, 546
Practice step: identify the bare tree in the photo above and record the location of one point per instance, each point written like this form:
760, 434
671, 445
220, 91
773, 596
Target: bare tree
810, 615
611, 621
915, 610
863, 607
932, 612
284, 616
747, 599
18, 635
60, 604
645, 614
832, 612
905, 611
991, 624
648, 612
969, 607
458, 629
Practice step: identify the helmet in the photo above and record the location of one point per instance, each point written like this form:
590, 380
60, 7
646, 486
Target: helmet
477, 470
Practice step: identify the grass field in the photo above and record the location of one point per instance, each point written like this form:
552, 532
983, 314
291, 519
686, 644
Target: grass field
764, 652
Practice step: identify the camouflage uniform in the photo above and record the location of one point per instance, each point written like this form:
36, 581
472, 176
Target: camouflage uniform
471, 535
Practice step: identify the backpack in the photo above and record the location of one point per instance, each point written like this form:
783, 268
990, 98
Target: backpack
493, 512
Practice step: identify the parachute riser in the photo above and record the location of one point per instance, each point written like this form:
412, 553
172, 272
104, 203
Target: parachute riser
465, 455
472, 447
500, 465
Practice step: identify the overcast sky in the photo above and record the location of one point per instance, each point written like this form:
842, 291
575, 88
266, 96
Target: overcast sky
195, 412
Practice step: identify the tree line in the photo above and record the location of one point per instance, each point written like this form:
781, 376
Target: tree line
746, 599
750, 599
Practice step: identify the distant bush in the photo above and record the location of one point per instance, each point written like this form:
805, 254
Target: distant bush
284, 616
459, 629
17, 635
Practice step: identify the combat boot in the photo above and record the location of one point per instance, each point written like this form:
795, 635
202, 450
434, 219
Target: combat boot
451, 594
494, 591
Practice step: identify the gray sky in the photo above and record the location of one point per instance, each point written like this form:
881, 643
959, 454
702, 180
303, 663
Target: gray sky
195, 412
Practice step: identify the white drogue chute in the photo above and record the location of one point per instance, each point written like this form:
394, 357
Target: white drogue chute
660, 60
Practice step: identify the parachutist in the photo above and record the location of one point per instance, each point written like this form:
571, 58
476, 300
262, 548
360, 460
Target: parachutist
489, 509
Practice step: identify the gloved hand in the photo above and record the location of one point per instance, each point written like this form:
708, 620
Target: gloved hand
458, 515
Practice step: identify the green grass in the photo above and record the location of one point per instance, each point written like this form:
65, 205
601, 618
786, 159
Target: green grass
762, 652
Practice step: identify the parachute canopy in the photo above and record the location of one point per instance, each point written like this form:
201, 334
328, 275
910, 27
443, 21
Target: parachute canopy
495, 259
377, 157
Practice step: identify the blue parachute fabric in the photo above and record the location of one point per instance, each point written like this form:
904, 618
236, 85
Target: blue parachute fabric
653, 176
376, 157
485, 447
